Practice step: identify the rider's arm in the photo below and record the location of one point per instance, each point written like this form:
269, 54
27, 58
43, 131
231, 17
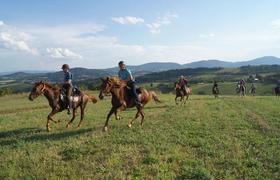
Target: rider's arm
68, 78
130, 77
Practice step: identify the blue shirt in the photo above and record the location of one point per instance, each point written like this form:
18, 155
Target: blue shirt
125, 74
68, 76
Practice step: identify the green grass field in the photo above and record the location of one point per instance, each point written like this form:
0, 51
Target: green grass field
225, 138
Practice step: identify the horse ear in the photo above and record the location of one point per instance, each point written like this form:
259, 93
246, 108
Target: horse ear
107, 78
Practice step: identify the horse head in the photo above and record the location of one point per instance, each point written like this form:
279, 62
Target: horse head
37, 90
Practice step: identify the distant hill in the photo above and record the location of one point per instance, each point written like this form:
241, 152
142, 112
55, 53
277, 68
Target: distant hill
266, 60
81, 74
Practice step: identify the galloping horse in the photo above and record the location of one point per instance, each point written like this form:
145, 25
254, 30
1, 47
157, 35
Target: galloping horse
215, 92
183, 94
122, 99
241, 90
253, 91
53, 95
277, 91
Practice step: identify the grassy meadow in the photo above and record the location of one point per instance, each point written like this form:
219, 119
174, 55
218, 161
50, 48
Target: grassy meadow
225, 138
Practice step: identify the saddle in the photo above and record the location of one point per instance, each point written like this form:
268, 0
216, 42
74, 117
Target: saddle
130, 93
76, 93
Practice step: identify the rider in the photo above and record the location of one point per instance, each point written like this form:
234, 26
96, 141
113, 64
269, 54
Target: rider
278, 83
242, 82
215, 85
67, 85
253, 87
125, 75
183, 82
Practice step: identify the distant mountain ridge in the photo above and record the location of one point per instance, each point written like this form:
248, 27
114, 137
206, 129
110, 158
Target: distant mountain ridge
266, 60
138, 70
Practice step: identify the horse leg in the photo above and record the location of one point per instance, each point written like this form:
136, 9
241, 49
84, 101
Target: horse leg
142, 117
117, 117
54, 111
105, 128
176, 100
182, 99
136, 116
82, 108
72, 119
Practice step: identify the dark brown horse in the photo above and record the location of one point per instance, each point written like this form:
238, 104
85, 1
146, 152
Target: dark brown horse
53, 94
183, 94
241, 90
215, 92
277, 91
121, 98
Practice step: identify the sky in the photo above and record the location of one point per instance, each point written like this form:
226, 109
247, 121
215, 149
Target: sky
43, 35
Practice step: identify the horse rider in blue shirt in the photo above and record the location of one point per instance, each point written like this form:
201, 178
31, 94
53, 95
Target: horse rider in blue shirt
67, 85
125, 75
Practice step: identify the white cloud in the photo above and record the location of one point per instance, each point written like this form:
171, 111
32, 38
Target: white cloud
17, 42
2, 23
128, 20
62, 53
207, 35
155, 27
276, 23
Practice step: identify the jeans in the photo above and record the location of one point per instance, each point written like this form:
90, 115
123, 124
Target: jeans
132, 85
68, 88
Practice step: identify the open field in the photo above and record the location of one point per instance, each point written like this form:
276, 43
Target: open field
224, 138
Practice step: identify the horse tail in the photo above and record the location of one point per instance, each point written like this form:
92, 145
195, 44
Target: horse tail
154, 96
93, 99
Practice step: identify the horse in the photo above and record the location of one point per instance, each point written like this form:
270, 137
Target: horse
253, 91
215, 92
122, 98
277, 91
183, 94
53, 95
241, 90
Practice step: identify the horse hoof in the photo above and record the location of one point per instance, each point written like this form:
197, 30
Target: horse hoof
105, 129
48, 129
78, 127
118, 118
68, 125
129, 125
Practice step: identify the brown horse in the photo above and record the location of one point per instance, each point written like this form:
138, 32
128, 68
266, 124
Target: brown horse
121, 98
53, 94
183, 94
277, 91
215, 92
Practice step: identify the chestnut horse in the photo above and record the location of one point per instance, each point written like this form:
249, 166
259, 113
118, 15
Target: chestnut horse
183, 94
53, 94
121, 98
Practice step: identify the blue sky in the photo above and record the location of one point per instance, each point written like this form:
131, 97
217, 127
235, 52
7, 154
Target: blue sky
42, 35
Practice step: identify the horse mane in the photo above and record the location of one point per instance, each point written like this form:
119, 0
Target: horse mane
53, 87
116, 81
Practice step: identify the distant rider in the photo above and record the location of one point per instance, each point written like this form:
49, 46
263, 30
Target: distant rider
126, 75
183, 82
278, 83
242, 82
67, 85
215, 86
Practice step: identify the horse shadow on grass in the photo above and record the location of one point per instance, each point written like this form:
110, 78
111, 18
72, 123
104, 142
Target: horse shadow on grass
29, 135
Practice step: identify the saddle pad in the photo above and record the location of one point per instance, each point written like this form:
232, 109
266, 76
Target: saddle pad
74, 98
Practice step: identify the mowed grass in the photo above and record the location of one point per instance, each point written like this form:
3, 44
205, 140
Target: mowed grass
225, 138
